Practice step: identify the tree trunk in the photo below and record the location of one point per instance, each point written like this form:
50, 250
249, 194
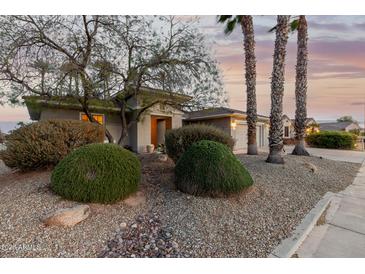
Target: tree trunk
250, 75
123, 118
86, 85
91, 119
277, 91
301, 88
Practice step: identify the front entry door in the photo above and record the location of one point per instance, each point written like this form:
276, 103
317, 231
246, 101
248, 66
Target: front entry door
159, 125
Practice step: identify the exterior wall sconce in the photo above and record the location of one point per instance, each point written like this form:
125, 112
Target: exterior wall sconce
233, 124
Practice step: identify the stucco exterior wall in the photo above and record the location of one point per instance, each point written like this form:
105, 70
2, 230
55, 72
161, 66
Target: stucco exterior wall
144, 125
139, 134
240, 132
352, 127
223, 123
59, 114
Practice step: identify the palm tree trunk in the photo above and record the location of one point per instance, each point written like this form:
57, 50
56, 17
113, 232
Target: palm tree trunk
250, 64
277, 91
301, 88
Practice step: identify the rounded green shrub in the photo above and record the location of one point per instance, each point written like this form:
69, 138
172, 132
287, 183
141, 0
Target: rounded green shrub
101, 173
332, 139
177, 141
45, 143
209, 168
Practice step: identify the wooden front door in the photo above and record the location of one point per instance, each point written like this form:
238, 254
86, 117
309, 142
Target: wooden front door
159, 125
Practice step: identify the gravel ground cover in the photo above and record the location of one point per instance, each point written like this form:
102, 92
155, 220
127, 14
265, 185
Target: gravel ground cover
248, 224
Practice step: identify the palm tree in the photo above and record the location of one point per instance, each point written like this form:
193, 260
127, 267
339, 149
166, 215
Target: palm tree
250, 65
301, 85
277, 91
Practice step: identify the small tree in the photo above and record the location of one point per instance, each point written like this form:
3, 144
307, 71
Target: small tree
301, 85
246, 22
107, 57
277, 91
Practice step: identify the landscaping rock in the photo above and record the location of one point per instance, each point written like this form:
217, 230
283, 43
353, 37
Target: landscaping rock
311, 167
162, 157
136, 199
67, 217
250, 224
143, 238
123, 225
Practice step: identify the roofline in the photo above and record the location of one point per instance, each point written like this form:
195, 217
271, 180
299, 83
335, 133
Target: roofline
144, 90
222, 115
55, 104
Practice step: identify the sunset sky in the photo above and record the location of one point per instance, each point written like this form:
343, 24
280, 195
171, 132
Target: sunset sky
336, 84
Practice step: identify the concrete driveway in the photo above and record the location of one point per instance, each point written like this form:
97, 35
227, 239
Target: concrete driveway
331, 154
334, 154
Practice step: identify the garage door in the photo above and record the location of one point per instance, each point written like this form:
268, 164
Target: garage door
240, 135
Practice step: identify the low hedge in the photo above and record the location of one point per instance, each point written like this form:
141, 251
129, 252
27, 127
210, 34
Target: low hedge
45, 143
209, 168
100, 173
177, 141
332, 139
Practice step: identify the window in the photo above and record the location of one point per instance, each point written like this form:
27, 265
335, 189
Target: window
286, 131
97, 117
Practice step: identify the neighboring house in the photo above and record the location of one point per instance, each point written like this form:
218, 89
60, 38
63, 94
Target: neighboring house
233, 122
150, 129
339, 126
289, 128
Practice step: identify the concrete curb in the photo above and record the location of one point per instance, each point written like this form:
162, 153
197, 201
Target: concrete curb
288, 247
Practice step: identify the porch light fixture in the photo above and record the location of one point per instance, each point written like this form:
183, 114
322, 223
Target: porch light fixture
233, 124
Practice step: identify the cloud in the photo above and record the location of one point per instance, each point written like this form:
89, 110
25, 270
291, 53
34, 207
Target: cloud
327, 26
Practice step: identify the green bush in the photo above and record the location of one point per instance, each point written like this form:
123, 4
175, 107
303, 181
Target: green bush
209, 168
332, 139
177, 141
101, 173
45, 143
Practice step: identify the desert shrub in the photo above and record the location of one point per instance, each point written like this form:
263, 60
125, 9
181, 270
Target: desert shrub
177, 141
45, 143
2, 137
209, 168
102, 173
355, 131
332, 139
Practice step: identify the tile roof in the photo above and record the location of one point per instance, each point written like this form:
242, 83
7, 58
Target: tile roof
334, 125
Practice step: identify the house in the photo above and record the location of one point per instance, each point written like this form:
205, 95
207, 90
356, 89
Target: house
289, 128
339, 126
233, 122
150, 129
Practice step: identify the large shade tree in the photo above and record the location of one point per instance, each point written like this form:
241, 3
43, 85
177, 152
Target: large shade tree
301, 85
107, 57
246, 23
277, 91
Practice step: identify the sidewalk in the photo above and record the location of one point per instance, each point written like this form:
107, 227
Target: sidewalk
343, 233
